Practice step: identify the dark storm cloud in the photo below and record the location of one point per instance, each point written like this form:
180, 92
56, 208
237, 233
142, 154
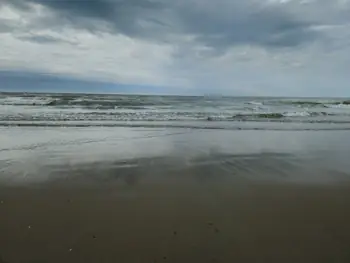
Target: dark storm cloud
44, 39
121, 16
217, 24
269, 27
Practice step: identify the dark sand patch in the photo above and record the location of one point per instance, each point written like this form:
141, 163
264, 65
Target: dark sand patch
176, 222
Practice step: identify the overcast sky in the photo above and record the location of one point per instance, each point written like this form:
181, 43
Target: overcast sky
233, 47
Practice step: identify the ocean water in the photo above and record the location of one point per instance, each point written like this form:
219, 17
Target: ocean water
86, 110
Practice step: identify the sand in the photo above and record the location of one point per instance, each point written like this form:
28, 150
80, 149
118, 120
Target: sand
176, 222
214, 207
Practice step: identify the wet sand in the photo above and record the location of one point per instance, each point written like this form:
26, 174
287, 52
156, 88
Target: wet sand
176, 223
212, 206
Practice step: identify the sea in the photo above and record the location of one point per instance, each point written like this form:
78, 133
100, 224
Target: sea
205, 112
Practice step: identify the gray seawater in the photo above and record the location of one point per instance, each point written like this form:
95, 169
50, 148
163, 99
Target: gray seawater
211, 112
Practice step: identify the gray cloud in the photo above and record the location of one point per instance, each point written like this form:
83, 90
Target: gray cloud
44, 39
245, 47
217, 24
241, 22
6, 26
120, 16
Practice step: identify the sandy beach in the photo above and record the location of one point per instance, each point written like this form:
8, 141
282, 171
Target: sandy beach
160, 195
159, 131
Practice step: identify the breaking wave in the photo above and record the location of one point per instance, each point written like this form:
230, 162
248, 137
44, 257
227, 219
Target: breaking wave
83, 109
234, 126
159, 116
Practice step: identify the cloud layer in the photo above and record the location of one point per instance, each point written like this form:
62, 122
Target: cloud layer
251, 47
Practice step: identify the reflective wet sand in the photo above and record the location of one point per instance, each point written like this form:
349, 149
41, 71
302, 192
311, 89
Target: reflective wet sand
144, 195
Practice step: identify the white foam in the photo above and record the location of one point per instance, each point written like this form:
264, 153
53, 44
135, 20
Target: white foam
339, 106
24, 100
296, 114
257, 103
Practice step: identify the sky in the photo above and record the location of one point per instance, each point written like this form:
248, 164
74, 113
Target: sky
228, 47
